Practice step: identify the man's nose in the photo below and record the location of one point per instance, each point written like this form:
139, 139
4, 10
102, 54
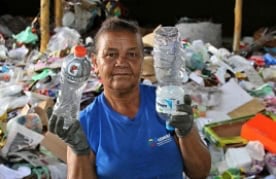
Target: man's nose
121, 59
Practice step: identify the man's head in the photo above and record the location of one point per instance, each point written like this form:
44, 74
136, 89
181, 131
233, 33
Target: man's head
115, 24
118, 54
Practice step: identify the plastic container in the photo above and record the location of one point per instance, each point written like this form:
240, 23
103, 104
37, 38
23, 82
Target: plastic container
167, 64
75, 72
261, 128
226, 133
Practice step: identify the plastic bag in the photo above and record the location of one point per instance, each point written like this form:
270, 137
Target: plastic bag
65, 37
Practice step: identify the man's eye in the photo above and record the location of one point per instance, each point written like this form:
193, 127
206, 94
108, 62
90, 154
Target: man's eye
111, 55
132, 55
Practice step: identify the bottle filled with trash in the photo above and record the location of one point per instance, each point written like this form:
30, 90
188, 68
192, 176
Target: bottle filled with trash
168, 61
75, 72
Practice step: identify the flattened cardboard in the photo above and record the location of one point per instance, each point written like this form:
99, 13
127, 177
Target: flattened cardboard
55, 145
250, 108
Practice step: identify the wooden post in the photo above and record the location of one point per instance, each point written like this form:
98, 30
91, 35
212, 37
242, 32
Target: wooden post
44, 24
237, 26
58, 13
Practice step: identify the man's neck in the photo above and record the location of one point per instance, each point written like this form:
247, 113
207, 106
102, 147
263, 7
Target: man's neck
124, 103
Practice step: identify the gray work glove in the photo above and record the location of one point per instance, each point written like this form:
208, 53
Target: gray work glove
73, 136
183, 119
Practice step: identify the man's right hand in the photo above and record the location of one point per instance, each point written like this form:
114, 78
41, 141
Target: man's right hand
73, 136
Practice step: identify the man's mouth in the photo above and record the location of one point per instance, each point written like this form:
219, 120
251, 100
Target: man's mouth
120, 73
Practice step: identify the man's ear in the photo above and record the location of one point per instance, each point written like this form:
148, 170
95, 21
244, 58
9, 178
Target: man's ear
94, 63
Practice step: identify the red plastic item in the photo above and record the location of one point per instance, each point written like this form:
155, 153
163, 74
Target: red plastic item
80, 51
261, 128
259, 60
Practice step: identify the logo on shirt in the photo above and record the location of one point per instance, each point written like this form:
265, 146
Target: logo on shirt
153, 142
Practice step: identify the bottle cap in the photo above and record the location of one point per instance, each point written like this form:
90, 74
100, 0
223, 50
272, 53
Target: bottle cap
80, 51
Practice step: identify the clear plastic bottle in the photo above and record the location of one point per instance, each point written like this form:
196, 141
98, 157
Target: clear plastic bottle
75, 72
168, 62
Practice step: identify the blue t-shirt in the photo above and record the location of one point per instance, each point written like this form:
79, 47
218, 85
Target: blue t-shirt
131, 148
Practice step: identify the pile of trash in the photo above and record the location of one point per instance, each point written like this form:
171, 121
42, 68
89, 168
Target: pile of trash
224, 86
29, 85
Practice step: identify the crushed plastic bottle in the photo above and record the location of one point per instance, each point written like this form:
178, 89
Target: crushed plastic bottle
167, 64
75, 72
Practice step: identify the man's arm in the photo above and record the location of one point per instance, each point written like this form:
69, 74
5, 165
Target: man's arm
195, 154
80, 166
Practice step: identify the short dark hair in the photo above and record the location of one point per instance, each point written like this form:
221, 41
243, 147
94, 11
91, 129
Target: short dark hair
115, 24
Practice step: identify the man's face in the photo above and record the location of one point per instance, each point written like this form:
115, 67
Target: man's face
119, 60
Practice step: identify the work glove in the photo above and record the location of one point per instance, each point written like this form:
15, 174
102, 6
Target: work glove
73, 136
183, 119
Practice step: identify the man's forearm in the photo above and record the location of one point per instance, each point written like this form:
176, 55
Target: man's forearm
195, 154
80, 166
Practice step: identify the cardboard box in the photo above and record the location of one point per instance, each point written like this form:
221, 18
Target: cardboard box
226, 133
55, 145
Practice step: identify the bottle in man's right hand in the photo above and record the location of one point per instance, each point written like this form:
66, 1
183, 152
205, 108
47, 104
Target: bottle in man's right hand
75, 72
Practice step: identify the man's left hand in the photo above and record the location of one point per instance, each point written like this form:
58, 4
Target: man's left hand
183, 119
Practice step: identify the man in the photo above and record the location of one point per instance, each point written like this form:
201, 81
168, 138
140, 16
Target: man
120, 135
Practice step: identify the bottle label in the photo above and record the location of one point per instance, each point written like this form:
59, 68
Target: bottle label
77, 70
166, 106
73, 69
167, 99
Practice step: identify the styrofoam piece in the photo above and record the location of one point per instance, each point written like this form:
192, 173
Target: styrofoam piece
238, 158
